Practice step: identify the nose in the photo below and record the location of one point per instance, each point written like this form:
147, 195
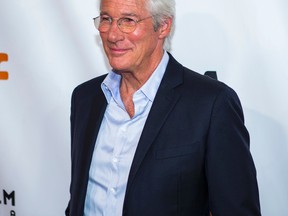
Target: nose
114, 33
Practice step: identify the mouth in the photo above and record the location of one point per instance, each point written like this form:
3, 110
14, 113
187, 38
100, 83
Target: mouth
117, 51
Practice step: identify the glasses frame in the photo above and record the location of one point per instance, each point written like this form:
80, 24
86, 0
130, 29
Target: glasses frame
97, 23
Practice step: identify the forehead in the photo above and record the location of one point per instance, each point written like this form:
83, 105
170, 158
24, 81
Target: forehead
122, 7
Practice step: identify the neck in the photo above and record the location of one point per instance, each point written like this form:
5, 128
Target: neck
132, 81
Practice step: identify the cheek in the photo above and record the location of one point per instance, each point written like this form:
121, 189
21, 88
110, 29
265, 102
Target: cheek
143, 39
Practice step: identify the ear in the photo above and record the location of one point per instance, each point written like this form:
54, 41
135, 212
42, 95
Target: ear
165, 28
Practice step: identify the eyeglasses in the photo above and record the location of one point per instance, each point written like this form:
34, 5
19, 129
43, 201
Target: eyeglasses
125, 24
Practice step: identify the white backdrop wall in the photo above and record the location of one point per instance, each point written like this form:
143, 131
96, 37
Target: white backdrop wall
52, 47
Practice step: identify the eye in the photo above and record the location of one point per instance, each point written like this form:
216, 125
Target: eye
105, 19
127, 21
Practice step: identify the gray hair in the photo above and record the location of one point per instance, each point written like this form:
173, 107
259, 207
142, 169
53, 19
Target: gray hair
161, 10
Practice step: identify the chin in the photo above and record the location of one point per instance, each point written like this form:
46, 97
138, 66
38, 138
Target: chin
118, 65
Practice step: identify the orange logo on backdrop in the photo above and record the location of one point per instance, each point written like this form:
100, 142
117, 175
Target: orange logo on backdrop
3, 74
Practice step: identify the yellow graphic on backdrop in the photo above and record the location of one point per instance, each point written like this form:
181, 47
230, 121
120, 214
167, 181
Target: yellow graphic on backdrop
3, 74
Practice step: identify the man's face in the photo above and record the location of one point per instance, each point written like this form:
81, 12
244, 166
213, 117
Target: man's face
133, 51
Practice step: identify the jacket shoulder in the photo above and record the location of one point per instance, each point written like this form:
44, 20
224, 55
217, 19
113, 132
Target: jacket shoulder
193, 82
90, 86
90, 83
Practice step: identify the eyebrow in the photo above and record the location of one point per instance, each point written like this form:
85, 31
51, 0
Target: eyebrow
122, 15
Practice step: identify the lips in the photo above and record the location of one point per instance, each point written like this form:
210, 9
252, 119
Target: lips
117, 51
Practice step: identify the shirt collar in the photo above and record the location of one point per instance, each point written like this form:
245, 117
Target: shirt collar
111, 84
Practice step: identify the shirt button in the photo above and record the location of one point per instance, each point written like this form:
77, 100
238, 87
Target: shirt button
113, 190
115, 160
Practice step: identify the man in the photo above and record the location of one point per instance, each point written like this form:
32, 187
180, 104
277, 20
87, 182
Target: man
153, 138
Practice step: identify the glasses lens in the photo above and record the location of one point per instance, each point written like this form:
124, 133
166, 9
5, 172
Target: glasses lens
127, 25
102, 23
97, 22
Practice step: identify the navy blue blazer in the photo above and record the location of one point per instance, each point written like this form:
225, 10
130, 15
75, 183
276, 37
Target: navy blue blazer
193, 155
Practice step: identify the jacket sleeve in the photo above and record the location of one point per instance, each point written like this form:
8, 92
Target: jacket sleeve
230, 170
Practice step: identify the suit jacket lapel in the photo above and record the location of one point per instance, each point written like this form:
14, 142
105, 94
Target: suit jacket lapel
165, 100
93, 125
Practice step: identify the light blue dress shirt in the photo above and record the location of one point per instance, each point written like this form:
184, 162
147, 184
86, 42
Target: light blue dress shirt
116, 144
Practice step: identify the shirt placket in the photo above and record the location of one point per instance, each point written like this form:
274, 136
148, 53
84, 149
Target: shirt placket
113, 189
